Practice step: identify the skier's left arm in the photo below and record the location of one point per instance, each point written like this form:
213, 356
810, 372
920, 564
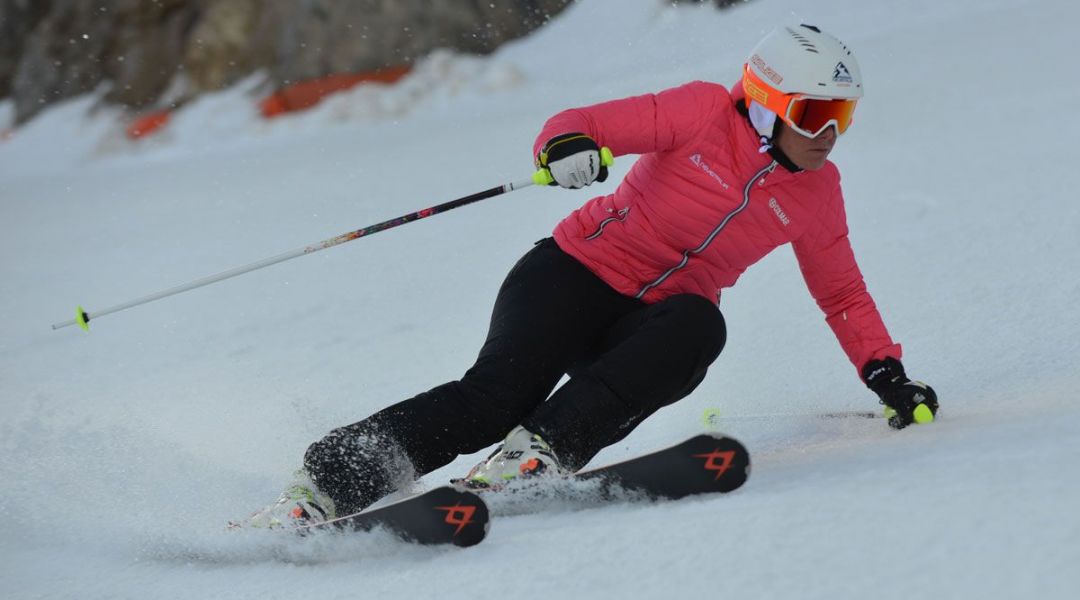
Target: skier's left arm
570, 145
832, 275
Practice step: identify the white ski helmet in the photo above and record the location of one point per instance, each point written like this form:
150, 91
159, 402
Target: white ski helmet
804, 76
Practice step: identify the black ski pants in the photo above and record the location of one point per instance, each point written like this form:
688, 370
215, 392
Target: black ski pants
626, 359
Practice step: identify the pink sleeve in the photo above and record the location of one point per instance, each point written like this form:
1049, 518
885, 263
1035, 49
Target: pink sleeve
834, 280
640, 124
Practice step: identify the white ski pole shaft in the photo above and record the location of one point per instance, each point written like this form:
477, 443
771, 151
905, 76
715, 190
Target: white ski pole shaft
83, 317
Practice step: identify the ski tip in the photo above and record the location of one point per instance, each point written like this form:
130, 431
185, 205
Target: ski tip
466, 514
724, 461
443, 515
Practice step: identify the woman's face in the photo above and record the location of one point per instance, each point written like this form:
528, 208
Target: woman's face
807, 153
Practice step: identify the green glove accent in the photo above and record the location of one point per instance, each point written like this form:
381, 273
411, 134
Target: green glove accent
607, 158
923, 414
543, 176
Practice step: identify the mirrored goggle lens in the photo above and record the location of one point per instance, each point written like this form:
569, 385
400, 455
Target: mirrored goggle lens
811, 115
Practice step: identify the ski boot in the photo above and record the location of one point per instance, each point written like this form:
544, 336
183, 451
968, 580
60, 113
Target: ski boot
523, 454
300, 504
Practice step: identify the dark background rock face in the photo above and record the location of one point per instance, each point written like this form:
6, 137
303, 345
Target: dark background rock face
153, 52
319, 37
68, 47
17, 19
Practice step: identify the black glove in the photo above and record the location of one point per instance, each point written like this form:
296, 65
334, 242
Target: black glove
905, 401
573, 159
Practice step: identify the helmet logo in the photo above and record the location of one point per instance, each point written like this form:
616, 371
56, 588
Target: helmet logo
841, 74
768, 71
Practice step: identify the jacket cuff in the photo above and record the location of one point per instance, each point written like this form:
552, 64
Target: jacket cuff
877, 373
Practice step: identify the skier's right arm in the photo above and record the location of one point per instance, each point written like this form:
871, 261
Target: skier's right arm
569, 144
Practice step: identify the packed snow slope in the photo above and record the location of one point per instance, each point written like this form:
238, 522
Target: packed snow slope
124, 451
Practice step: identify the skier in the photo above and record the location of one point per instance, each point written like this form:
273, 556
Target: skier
624, 297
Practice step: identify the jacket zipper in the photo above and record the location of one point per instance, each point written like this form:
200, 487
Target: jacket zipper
712, 235
622, 217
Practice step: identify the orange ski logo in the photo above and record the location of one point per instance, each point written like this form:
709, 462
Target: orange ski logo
725, 459
458, 515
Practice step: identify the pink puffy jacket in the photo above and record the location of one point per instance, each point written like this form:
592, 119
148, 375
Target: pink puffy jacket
702, 204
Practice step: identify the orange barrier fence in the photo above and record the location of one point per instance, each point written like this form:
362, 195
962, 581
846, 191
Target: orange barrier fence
297, 96
309, 93
144, 125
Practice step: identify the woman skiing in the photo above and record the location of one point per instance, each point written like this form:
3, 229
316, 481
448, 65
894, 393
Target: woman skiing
623, 298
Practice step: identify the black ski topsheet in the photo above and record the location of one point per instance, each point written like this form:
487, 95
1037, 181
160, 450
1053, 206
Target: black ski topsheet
706, 463
444, 515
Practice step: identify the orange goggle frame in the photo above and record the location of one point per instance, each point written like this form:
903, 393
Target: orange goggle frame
805, 114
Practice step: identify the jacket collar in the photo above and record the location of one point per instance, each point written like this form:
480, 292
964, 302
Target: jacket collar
739, 96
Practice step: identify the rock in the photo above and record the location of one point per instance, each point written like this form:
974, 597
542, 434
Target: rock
219, 51
17, 19
56, 49
78, 45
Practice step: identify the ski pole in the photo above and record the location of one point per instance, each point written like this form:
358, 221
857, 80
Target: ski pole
541, 177
711, 417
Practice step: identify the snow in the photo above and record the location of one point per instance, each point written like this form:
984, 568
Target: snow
124, 451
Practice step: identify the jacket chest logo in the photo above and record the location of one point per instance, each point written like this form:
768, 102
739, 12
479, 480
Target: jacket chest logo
779, 212
704, 166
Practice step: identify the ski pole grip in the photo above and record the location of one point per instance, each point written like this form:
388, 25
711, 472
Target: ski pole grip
607, 158
543, 175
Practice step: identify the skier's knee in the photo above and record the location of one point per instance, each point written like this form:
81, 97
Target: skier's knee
492, 410
700, 323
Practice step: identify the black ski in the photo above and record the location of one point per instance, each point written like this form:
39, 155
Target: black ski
706, 463
443, 515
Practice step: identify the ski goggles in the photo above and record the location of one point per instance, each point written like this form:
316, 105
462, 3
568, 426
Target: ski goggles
805, 114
